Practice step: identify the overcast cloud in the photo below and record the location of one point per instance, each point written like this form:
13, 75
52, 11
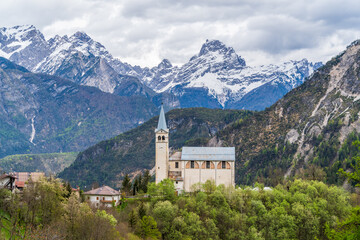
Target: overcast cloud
143, 32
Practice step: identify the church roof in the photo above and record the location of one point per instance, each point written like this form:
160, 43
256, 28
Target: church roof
208, 153
162, 121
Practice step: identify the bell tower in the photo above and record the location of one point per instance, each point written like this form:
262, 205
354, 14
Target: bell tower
161, 148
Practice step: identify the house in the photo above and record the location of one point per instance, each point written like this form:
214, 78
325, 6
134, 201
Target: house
192, 165
7, 181
23, 177
102, 196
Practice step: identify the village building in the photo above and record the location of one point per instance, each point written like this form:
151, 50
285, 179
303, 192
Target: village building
23, 177
7, 181
191, 165
102, 196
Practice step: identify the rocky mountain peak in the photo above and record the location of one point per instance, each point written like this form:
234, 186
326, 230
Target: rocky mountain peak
212, 46
82, 36
216, 49
165, 63
354, 43
20, 34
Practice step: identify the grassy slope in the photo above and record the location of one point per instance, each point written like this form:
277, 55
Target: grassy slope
50, 163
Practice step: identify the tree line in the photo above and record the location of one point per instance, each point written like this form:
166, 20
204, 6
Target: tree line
296, 209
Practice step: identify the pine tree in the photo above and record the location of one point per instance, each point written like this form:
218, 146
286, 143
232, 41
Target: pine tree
126, 184
145, 181
132, 219
135, 186
141, 210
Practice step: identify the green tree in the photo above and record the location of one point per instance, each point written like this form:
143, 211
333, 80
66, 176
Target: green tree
126, 184
68, 189
148, 228
164, 214
355, 174
141, 210
349, 229
164, 189
209, 186
145, 181
133, 219
43, 200
135, 186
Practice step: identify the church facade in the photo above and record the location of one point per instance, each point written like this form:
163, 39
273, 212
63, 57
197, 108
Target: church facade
192, 165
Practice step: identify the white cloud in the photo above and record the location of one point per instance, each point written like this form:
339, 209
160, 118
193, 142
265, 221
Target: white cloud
145, 31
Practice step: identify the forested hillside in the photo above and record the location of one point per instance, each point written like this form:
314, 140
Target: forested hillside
108, 161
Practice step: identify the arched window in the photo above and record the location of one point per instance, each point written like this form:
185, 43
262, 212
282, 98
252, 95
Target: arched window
159, 138
207, 164
163, 137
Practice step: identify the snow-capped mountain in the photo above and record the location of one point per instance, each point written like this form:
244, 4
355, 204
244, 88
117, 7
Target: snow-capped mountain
218, 74
24, 45
78, 57
216, 77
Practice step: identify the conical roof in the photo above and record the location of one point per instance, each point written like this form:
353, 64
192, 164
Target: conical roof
162, 121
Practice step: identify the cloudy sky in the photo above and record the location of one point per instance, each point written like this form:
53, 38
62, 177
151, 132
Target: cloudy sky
143, 32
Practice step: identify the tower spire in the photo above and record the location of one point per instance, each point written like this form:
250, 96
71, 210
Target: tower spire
162, 120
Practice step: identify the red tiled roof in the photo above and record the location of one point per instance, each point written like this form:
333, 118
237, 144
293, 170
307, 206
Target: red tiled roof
105, 190
20, 184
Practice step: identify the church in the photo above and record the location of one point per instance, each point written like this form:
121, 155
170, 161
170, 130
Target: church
191, 165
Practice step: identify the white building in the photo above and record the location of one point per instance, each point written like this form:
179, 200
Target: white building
7, 181
193, 164
103, 196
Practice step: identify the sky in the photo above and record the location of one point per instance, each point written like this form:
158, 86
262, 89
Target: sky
143, 32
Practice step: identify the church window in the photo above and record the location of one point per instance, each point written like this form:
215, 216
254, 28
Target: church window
192, 164
223, 164
207, 164
97, 198
159, 138
176, 182
163, 137
176, 164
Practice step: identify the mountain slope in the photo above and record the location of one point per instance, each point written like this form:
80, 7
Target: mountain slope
42, 113
107, 162
309, 126
49, 163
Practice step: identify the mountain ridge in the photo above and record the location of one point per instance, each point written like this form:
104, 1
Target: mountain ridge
216, 74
